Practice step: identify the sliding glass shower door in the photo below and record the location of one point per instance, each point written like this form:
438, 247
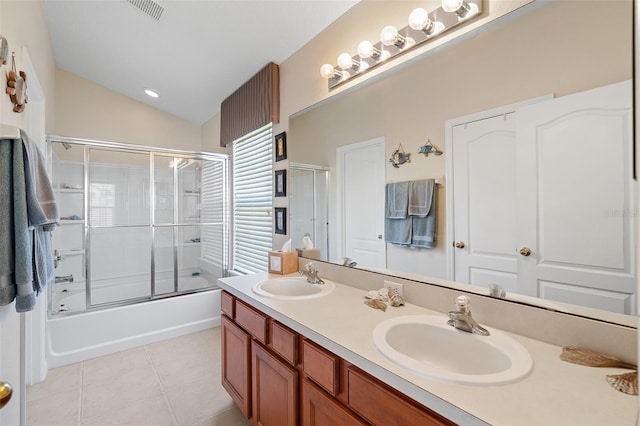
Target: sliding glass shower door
148, 224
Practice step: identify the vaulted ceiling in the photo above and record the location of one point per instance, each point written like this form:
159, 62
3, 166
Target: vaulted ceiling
194, 54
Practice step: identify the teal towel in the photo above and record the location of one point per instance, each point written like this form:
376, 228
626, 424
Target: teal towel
396, 200
424, 229
7, 281
23, 248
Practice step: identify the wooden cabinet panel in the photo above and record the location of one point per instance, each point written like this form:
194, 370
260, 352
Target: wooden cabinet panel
227, 304
236, 365
321, 366
319, 409
275, 389
284, 341
381, 405
252, 320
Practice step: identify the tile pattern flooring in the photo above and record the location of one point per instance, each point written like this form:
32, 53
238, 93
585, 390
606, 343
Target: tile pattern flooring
174, 382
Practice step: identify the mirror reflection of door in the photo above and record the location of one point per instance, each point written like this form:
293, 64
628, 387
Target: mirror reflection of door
522, 207
361, 179
308, 208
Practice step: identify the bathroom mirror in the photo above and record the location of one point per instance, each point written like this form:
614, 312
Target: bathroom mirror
549, 48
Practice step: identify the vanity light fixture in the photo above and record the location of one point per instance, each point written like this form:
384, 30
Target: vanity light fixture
423, 26
152, 93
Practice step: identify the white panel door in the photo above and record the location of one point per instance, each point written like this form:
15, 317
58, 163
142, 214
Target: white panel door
577, 199
361, 170
484, 210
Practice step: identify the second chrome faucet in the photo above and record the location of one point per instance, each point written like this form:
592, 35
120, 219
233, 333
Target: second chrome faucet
311, 273
462, 320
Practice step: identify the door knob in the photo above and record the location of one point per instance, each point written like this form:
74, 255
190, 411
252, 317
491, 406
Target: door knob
5, 393
525, 251
458, 244
379, 236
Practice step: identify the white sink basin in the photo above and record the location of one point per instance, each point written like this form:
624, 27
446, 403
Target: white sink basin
427, 346
292, 288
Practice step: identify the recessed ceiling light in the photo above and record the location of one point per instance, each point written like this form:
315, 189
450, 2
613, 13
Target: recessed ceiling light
151, 92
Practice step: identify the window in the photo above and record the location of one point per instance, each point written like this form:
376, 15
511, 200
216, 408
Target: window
252, 200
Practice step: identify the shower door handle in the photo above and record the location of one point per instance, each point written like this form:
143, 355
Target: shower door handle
56, 258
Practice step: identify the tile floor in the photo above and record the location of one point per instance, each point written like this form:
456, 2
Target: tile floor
174, 382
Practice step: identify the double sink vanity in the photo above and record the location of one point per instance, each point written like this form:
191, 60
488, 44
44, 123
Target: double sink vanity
301, 353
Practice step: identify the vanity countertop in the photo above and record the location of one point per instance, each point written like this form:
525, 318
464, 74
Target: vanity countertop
554, 393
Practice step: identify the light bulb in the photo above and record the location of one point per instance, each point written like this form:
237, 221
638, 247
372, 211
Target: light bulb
366, 49
451, 5
345, 61
389, 37
328, 71
419, 20
459, 7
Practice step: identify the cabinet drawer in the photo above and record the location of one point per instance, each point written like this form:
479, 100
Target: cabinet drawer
381, 405
319, 409
255, 322
227, 304
284, 341
321, 366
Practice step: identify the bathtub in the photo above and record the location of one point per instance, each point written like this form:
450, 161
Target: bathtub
82, 336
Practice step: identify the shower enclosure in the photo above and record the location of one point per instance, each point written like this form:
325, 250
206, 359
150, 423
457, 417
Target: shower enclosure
308, 206
137, 224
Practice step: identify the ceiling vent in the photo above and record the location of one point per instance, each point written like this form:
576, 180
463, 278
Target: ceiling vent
149, 7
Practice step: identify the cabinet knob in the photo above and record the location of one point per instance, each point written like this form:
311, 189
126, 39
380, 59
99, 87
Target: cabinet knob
458, 244
379, 236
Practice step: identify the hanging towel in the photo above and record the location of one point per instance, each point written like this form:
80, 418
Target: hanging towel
420, 196
397, 231
41, 203
396, 200
423, 233
43, 214
7, 281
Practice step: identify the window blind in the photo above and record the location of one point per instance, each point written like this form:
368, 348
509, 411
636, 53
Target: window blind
252, 200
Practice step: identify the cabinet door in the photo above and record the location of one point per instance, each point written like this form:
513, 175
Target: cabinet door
236, 365
275, 389
384, 406
318, 409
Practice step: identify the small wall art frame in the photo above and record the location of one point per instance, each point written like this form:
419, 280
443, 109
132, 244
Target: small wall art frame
280, 183
280, 220
280, 141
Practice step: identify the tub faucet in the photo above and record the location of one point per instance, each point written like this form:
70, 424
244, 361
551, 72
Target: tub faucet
462, 319
64, 279
311, 273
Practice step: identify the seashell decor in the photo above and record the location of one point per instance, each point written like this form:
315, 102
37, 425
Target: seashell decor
589, 358
376, 304
627, 382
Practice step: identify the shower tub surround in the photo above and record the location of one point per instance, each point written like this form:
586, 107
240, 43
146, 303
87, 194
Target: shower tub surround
555, 392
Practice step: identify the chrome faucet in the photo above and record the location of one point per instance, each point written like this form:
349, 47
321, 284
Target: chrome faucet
349, 262
462, 319
64, 279
311, 273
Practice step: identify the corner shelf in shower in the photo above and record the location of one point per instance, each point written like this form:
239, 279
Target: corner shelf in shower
70, 190
190, 244
72, 222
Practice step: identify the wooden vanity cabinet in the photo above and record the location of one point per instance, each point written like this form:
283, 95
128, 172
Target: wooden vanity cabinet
279, 378
236, 364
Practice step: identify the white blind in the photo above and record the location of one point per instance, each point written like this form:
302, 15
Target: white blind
252, 200
213, 208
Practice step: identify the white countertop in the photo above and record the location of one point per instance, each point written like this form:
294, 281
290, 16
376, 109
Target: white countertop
554, 393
